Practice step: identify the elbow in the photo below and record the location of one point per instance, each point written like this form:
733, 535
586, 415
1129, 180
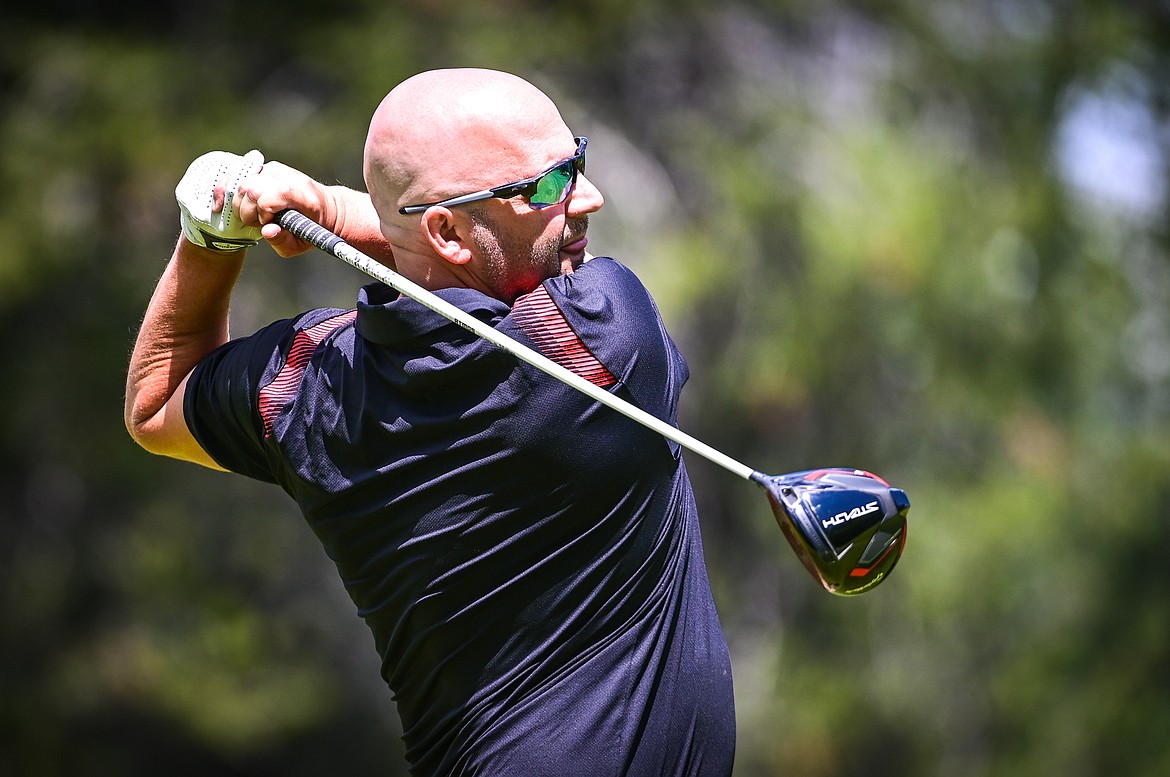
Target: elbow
132, 419
139, 428
147, 412
146, 423
163, 431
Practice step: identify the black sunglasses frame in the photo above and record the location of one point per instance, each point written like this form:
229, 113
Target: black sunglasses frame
524, 188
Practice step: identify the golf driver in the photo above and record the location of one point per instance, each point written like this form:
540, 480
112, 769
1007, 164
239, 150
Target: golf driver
847, 526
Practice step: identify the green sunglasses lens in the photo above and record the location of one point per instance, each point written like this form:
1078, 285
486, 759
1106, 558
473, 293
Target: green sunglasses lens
551, 187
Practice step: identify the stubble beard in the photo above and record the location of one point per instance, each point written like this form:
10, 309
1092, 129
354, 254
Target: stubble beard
531, 263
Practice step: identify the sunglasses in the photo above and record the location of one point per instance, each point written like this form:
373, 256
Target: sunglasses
548, 188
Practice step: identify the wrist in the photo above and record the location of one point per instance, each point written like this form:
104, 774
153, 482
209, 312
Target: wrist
188, 248
207, 267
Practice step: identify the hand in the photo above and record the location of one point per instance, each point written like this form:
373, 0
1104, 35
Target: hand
208, 201
278, 187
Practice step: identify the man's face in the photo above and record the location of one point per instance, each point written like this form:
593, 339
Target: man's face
517, 246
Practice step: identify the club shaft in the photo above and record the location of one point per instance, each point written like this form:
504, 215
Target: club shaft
312, 232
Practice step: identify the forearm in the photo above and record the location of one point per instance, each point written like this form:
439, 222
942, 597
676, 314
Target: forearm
187, 318
356, 222
346, 212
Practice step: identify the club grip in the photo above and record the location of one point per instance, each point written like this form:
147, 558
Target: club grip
308, 230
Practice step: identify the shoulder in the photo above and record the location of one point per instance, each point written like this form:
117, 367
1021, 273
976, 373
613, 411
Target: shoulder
602, 270
237, 371
605, 291
313, 328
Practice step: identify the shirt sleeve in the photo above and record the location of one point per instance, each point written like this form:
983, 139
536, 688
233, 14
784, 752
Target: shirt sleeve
221, 404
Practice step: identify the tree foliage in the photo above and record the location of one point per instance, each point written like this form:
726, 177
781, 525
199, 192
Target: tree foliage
926, 239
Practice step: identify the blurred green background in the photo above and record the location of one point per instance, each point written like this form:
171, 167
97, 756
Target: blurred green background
924, 238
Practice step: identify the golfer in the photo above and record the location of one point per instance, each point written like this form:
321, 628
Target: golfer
527, 560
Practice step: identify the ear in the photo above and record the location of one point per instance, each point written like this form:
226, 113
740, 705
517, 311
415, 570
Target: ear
446, 231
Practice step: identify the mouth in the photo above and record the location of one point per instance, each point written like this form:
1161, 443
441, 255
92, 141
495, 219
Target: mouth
575, 245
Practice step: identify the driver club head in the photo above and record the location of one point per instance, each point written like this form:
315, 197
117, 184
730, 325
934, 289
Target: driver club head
847, 526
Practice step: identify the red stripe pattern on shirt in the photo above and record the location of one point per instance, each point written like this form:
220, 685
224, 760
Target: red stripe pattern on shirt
280, 392
538, 317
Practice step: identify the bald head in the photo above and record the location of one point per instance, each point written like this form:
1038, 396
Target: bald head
447, 132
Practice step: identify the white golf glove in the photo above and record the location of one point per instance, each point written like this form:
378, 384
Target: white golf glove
218, 231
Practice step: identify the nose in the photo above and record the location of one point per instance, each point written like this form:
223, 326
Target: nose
585, 197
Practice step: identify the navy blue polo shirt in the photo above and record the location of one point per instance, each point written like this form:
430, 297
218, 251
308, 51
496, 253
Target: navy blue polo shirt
528, 560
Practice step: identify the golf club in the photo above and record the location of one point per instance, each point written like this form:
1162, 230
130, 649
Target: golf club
847, 526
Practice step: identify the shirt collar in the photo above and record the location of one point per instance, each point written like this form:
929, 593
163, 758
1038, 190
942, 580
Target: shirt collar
386, 317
